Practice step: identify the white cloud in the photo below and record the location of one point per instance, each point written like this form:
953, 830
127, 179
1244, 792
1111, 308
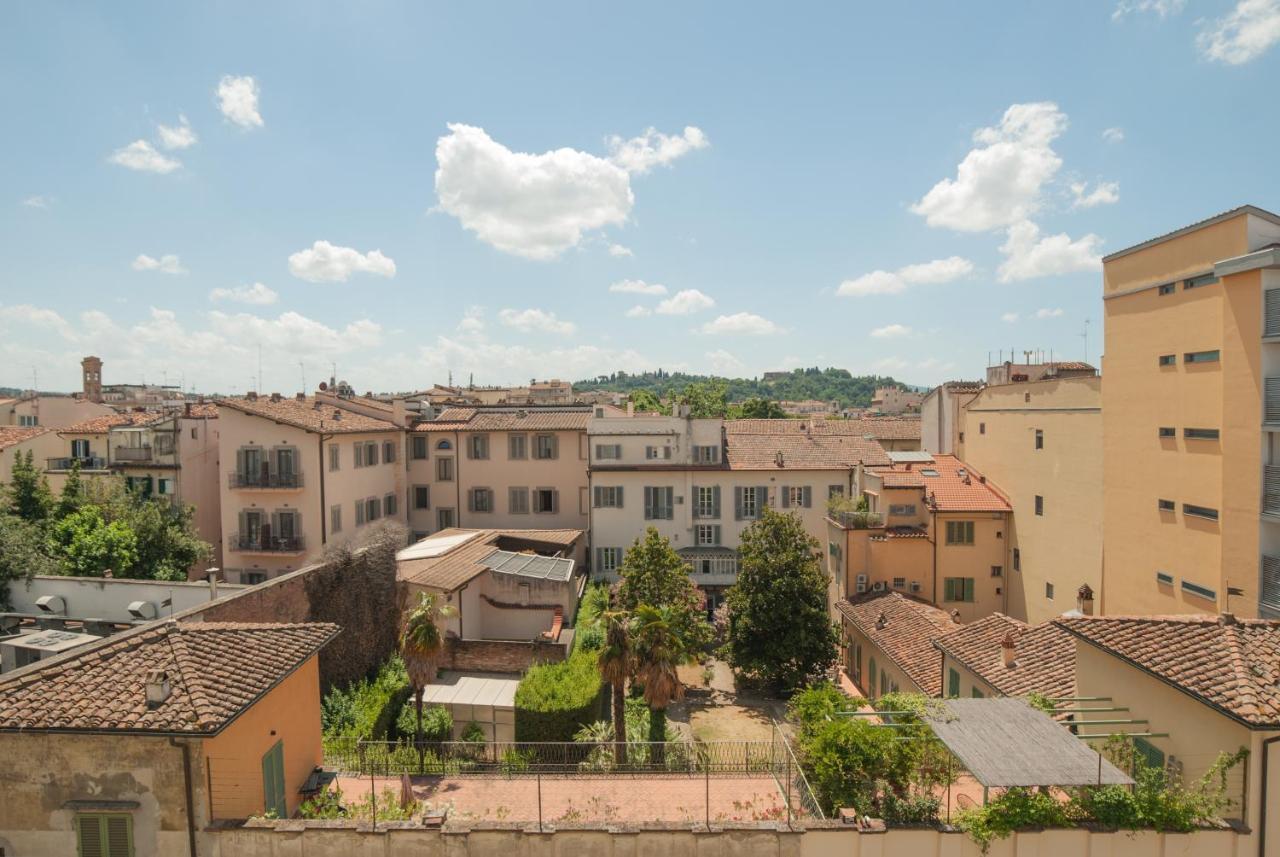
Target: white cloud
638, 311
890, 331
999, 182
535, 320
1113, 135
1161, 8
238, 100
256, 294
29, 316
638, 287
167, 264
141, 155
178, 136
536, 206
891, 364
896, 282
326, 263
1009, 317
1103, 193
745, 323
1049, 313
38, 201
1245, 34
685, 302
294, 333
653, 148
619, 250
724, 363
1028, 255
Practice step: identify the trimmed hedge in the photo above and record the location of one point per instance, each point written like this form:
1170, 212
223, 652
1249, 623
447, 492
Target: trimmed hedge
367, 709
554, 701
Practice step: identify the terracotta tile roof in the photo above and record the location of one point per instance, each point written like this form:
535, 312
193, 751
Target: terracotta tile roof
964, 386
456, 566
514, 419
903, 532
949, 484
880, 428
800, 452
13, 435
910, 628
1045, 660
203, 411
1230, 664
1073, 366
216, 670
302, 413
103, 424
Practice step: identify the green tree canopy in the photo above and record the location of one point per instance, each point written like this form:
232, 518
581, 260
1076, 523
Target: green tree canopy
648, 401
28, 490
654, 574
758, 408
89, 546
780, 629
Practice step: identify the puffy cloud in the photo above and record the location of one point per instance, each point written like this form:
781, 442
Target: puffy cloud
638, 311
1161, 8
724, 363
178, 136
895, 282
167, 264
238, 100
653, 148
535, 320
1113, 135
619, 250
1009, 317
41, 318
744, 323
256, 294
638, 287
1028, 255
1103, 193
891, 364
890, 331
142, 156
685, 302
1048, 313
999, 182
1244, 34
325, 263
531, 205
294, 333
38, 201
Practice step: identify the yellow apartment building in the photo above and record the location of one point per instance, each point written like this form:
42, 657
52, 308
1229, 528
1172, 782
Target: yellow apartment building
940, 411
1191, 479
1041, 442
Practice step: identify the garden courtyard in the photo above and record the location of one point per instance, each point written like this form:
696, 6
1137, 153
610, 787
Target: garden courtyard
721, 710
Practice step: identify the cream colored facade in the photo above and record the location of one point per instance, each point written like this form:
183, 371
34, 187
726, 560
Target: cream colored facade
895, 400
940, 417
52, 411
318, 491
1044, 439
1192, 405
42, 447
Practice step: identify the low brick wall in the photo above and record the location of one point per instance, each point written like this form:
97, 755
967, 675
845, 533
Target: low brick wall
767, 839
502, 656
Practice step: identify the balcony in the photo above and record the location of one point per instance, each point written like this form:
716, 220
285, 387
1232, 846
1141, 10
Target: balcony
1271, 403
1271, 490
87, 462
133, 455
1269, 592
266, 544
265, 481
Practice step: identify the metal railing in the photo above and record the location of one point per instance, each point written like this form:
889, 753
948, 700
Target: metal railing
133, 453
1271, 489
267, 544
1271, 401
237, 479
87, 462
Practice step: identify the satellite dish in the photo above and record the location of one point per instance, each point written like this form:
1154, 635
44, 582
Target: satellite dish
323, 386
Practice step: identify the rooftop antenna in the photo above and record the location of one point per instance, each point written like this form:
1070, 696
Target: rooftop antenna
1085, 336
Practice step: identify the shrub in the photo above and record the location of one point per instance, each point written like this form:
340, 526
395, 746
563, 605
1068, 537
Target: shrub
846, 759
911, 808
473, 734
554, 701
367, 709
1016, 809
437, 722
818, 703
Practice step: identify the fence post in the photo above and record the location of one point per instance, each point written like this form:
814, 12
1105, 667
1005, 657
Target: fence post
706, 770
788, 791
539, 801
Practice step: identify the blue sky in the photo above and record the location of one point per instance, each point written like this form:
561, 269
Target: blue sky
564, 190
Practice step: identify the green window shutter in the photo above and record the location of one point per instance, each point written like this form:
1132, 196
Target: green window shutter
715, 502
648, 503
968, 589
273, 781
716, 532
808, 497
871, 676
119, 836
618, 496
89, 836
737, 503
785, 491
595, 501
953, 683
977, 694
948, 589
762, 496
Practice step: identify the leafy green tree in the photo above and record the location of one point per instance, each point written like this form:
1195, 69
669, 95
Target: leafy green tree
89, 545
617, 664
167, 542
421, 642
781, 630
73, 494
846, 758
706, 399
28, 490
654, 574
648, 401
23, 554
758, 408
659, 651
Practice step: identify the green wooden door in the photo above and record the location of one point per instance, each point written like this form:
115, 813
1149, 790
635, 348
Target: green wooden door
273, 802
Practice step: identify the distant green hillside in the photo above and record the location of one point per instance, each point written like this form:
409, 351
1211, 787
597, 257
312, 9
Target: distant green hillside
824, 384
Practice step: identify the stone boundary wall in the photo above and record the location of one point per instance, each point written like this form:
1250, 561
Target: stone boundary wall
296, 838
499, 655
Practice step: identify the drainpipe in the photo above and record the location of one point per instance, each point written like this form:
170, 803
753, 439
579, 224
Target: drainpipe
933, 535
1262, 813
457, 480
186, 782
324, 522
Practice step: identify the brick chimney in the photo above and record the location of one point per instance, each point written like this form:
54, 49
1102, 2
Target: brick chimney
1009, 650
158, 688
1084, 600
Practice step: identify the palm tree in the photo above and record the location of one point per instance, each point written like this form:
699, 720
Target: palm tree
659, 650
421, 642
616, 666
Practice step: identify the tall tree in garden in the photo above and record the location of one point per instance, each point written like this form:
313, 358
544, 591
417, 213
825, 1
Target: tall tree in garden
659, 651
616, 666
73, 493
421, 642
654, 574
28, 490
781, 630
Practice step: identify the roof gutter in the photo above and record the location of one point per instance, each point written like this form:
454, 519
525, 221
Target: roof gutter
1266, 258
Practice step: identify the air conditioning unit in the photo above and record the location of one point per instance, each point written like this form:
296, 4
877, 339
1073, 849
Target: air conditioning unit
142, 609
54, 604
860, 583
915, 586
878, 586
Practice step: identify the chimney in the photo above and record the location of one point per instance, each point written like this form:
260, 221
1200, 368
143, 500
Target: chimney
213, 584
779, 459
301, 397
337, 415
316, 406
955, 616
252, 396
1084, 600
275, 397
1228, 619
1008, 650
186, 408
881, 621
158, 688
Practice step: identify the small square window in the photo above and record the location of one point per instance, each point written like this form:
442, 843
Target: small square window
1039, 439
1039, 505
1166, 505
997, 571
1200, 433
1164, 578
1201, 357
1168, 431
982, 428
1168, 359
1048, 590
1197, 282
1166, 288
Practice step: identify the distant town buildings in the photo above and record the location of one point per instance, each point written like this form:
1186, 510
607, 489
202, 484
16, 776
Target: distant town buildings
895, 400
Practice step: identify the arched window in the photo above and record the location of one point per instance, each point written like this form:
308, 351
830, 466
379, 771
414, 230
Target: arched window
444, 444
